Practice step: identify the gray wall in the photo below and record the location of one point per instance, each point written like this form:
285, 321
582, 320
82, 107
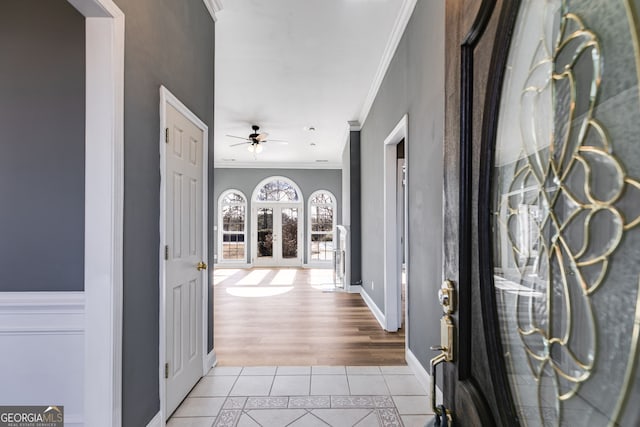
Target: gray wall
42, 108
168, 43
309, 180
414, 84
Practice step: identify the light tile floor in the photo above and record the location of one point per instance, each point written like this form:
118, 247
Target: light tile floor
305, 396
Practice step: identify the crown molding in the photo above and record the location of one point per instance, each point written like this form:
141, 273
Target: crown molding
406, 10
276, 165
354, 125
213, 6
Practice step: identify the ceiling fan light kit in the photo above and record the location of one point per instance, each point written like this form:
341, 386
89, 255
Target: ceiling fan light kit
255, 148
255, 140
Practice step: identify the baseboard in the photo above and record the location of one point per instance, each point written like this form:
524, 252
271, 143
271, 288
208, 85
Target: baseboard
422, 375
156, 421
373, 307
45, 332
354, 289
211, 360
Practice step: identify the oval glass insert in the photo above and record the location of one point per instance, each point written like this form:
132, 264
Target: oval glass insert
566, 202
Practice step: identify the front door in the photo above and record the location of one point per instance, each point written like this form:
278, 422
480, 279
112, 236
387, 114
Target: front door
543, 184
183, 255
277, 235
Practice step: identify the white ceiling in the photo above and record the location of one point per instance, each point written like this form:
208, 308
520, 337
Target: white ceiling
289, 64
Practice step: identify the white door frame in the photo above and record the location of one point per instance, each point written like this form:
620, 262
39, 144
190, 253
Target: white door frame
104, 198
167, 97
392, 261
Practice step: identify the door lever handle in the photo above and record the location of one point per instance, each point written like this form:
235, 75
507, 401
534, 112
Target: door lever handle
442, 357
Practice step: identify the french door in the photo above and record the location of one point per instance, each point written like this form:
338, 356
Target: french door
542, 188
277, 235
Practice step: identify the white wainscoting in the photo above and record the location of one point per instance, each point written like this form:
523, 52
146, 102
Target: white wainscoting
42, 357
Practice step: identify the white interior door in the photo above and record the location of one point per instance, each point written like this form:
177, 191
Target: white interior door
277, 235
183, 257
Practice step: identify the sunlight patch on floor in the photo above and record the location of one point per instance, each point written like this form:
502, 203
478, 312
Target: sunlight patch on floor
220, 275
259, 291
320, 276
284, 277
254, 278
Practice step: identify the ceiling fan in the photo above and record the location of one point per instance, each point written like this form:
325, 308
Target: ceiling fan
255, 140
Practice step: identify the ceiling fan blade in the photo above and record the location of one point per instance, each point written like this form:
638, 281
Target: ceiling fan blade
279, 141
235, 145
262, 136
238, 137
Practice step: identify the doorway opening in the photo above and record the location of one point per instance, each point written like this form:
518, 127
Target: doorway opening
396, 246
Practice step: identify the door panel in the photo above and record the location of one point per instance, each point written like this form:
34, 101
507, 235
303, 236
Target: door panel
183, 281
566, 208
543, 113
278, 234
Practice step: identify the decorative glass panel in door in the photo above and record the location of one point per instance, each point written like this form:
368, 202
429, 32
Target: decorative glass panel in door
566, 204
289, 233
265, 232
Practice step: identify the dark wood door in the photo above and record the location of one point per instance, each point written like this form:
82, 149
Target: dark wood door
542, 203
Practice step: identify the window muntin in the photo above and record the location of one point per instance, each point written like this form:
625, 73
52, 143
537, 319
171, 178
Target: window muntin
278, 190
321, 226
233, 219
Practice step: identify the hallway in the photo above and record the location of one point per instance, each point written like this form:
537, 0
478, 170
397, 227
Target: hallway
269, 317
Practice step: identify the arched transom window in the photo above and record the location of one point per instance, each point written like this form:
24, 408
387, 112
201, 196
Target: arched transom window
278, 190
233, 218
321, 225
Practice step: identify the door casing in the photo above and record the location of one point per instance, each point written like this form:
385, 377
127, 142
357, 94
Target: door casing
391, 250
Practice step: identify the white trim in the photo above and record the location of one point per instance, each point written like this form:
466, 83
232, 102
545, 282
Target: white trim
372, 305
406, 10
422, 375
210, 361
276, 165
166, 97
104, 198
213, 6
156, 421
392, 263
321, 263
356, 289
220, 259
42, 334
354, 125
42, 313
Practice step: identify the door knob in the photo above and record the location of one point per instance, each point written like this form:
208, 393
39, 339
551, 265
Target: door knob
201, 266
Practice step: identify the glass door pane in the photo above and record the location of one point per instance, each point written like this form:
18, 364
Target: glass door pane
566, 205
289, 233
265, 232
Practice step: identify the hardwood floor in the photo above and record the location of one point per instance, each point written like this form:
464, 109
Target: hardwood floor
282, 317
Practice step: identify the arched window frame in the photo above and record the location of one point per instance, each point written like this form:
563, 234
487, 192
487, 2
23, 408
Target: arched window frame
261, 184
310, 231
221, 232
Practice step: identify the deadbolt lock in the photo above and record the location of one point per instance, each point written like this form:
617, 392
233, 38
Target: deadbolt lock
446, 296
